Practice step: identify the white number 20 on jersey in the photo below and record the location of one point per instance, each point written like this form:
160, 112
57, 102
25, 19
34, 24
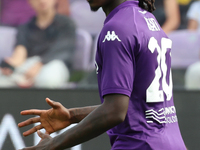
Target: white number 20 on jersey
153, 93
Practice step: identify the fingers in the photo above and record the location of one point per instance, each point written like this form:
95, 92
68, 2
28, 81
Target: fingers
47, 133
53, 104
29, 121
41, 135
32, 130
31, 112
27, 148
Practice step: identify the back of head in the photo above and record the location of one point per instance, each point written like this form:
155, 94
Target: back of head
147, 5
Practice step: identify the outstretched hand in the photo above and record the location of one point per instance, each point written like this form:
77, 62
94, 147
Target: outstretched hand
43, 144
52, 120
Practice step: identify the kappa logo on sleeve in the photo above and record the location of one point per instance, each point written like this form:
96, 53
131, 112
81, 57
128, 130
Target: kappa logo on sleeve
111, 37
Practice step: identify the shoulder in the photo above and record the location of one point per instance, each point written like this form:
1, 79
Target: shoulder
27, 26
115, 31
132, 24
122, 23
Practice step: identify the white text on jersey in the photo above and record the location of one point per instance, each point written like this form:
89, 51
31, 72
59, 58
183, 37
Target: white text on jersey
97, 67
152, 24
164, 115
111, 37
143, 12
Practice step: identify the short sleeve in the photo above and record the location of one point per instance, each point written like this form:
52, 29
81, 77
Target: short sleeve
193, 12
118, 61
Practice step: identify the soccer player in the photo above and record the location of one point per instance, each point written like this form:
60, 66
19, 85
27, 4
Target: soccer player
133, 63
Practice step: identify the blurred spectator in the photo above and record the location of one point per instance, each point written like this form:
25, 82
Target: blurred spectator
86, 19
184, 6
43, 51
193, 15
192, 75
17, 12
63, 7
168, 15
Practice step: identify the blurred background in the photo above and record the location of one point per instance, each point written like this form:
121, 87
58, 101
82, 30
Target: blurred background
47, 49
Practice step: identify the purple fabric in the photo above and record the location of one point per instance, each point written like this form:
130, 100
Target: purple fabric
127, 64
15, 12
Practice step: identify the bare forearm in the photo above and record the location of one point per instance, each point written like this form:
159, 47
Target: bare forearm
18, 57
93, 125
106, 116
78, 114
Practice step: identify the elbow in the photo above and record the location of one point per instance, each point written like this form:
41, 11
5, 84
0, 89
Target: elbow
117, 117
121, 119
116, 107
114, 115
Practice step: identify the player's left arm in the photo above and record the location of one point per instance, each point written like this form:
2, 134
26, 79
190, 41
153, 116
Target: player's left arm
111, 113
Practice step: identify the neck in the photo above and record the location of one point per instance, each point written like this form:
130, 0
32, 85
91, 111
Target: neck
44, 19
112, 5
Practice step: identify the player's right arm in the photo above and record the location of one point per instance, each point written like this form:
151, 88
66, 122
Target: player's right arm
56, 118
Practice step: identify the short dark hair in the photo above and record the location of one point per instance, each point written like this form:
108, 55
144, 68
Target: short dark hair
147, 5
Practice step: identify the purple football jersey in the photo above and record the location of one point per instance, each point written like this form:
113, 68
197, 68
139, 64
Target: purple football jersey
134, 58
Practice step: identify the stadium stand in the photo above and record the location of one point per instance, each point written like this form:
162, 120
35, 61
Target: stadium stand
7, 40
185, 51
86, 19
